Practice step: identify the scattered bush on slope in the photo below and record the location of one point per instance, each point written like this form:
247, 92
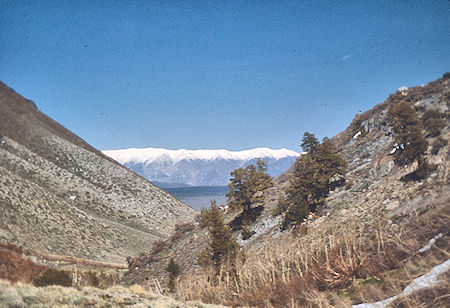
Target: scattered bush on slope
53, 276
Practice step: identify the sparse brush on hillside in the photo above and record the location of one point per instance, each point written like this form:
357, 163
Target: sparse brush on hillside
433, 122
315, 174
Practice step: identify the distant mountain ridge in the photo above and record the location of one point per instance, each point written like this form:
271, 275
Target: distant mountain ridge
199, 167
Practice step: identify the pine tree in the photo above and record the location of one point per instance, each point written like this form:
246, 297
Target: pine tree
222, 245
174, 271
315, 174
411, 145
309, 142
244, 185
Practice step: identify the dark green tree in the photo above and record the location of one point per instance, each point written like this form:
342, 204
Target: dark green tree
222, 245
309, 142
411, 145
245, 183
174, 271
315, 173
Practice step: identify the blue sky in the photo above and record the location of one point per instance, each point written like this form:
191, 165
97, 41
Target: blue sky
217, 74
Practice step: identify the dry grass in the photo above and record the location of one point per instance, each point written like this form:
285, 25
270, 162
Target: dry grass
25, 295
342, 266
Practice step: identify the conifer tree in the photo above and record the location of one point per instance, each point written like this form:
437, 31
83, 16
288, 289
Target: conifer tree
244, 185
315, 174
222, 245
174, 271
309, 142
411, 145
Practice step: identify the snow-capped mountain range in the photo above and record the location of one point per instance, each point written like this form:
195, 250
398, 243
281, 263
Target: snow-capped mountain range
198, 167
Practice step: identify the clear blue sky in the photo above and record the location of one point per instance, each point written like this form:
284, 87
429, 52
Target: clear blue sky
217, 74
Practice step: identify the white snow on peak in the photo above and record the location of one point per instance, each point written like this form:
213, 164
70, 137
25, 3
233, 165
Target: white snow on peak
148, 155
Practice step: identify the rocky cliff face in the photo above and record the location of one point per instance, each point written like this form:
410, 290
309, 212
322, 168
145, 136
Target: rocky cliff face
60, 195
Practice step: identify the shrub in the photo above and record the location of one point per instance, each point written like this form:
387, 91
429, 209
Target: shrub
423, 171
356, 126
174, 271
433, 122
438, 144
14, 267
54, 277
92, 279
184, 227
158, 246
246, 232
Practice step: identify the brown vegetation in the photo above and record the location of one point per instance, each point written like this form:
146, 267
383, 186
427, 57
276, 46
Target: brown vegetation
53, 277
158, 246
334, 269
73, 260
14, 267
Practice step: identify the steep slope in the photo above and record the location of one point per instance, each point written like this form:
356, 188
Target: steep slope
374, 196
199, 167
60, 195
